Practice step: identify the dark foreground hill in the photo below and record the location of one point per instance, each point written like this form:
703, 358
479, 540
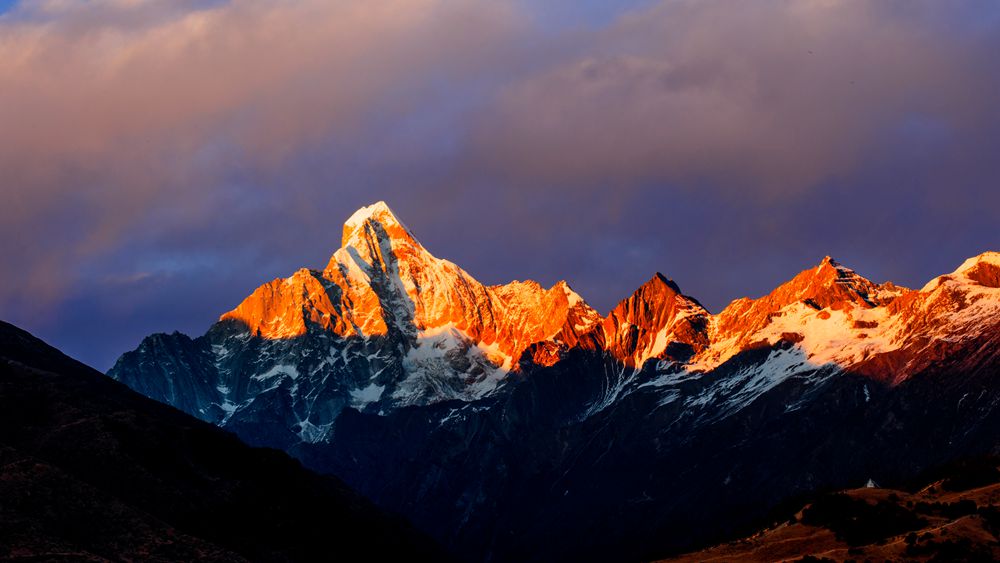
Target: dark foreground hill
91, 471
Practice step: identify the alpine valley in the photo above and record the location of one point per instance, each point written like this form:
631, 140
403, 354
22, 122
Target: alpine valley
515, 422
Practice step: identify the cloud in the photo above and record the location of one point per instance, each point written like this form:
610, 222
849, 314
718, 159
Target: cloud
771, 96
125, 117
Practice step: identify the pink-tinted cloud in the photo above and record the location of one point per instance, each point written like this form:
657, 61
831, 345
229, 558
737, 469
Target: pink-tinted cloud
116, 110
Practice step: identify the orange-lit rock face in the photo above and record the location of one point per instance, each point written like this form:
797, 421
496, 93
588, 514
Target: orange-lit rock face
886, 332
828, 285
285, 308
946, 314
382, 278
985, 274
827, 288
656, 321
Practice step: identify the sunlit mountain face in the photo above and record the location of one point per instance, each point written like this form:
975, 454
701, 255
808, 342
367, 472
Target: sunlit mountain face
500, 417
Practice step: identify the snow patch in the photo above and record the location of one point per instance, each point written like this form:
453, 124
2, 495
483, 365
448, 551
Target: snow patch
281, 369
447, 364
370, 394
378, 210
312, 433
738, 390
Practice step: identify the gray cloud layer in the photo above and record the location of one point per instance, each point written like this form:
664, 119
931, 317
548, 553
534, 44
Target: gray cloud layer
778, 96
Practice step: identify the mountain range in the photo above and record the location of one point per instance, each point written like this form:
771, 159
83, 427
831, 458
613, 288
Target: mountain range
515, 422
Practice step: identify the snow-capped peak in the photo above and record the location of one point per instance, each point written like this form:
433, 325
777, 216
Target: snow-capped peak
830, 284
378, 210
982, 269
378, 214
992, 258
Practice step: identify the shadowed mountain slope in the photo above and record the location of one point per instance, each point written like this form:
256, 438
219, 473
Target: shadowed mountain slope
90, 471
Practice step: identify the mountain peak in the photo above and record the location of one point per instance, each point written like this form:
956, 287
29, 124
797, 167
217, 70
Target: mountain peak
379, 210
656, 319
379, 217
829, 284
982, 269
660, 279
832, 269
990, 257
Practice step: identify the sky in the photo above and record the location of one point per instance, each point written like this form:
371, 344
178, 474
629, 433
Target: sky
159, 159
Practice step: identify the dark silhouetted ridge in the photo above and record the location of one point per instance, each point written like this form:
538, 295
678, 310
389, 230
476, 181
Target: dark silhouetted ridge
90, 470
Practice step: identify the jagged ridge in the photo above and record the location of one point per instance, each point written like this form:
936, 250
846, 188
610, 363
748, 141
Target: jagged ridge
387, 324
